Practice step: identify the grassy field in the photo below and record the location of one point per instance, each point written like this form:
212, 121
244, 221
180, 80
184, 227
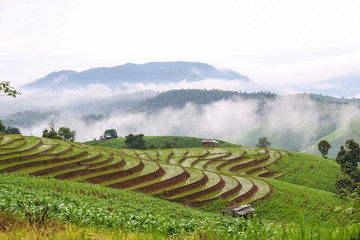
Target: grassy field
283, 186
81, 209
158, 142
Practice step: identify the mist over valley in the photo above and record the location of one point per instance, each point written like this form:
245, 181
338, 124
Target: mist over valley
198, 100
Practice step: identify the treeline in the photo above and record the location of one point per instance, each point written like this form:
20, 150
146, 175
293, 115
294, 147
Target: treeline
8, 129
179, 98
28, 118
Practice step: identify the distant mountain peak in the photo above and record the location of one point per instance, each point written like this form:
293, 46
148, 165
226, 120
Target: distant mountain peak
152, 72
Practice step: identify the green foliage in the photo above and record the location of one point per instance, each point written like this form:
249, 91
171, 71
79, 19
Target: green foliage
263, 143
307, 170
324, 147
12, 130
111, 132
156, 142
51, 134
179, 98
8, 129
7, 90
349, 157
349, 160
2, 127
352, 209
28, 118
66, 134
287, 199
135, 141
344, 181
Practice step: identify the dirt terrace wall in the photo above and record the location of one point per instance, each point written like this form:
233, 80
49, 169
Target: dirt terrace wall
216, 159
116, 175
140, 179
216, 187
246, 195
84, 172
169, 157
27, 157
233, 160
266, 174
44, 162
255, 170
267, 194
188, 187
10, 142
39, 144
13, 148
66, 151
108, 160
233, 191
166, 183
66, 166
248, 164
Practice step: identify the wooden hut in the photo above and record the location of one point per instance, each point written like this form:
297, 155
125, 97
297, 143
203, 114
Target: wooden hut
209, 143
242, 210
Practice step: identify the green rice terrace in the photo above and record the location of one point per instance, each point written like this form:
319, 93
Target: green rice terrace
282, 186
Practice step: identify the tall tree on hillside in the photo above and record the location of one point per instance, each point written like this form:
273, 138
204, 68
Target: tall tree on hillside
2, 126
263, 143
135, 141
349, 160
67, 134
324, 147
349, 157
7, 90
111, 132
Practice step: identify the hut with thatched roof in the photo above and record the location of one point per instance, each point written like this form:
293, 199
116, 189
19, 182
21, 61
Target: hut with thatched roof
242, 210
209, 143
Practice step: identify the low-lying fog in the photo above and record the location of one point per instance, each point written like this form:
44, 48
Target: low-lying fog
225, 119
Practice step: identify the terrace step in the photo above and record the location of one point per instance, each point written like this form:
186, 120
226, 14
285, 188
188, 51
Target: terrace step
139, 179
44, 162
197, 178
116, 174
87, 171
62, 167
24, 148
170, 181
215, 182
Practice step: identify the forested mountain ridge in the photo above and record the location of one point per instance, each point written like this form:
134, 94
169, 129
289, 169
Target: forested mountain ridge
153, 72
179, 98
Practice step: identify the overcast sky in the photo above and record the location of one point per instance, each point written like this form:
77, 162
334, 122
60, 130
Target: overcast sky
270, 41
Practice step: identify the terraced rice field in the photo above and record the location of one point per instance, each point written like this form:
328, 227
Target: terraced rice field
192, 176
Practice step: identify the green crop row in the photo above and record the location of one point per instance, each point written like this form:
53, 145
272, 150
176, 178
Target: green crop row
307, 170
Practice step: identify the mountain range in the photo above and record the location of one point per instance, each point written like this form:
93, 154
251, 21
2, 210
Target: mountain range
153, 72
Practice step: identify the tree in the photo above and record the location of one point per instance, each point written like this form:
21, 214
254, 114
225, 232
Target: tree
111, 132
324, 147
8, 129
51, 134
349, 157
67, 134
135, 141
263, 143
12, 130
2, 126
7, 90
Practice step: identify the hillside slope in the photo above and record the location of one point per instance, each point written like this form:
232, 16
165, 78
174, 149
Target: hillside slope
338, 138
193, 176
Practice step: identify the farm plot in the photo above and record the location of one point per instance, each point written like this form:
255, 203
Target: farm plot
191, 175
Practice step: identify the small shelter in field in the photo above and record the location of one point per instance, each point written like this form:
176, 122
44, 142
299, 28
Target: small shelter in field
242, 210
209, 143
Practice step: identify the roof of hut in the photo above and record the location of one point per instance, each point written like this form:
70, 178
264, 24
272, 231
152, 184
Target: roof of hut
241, 210
209, 141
